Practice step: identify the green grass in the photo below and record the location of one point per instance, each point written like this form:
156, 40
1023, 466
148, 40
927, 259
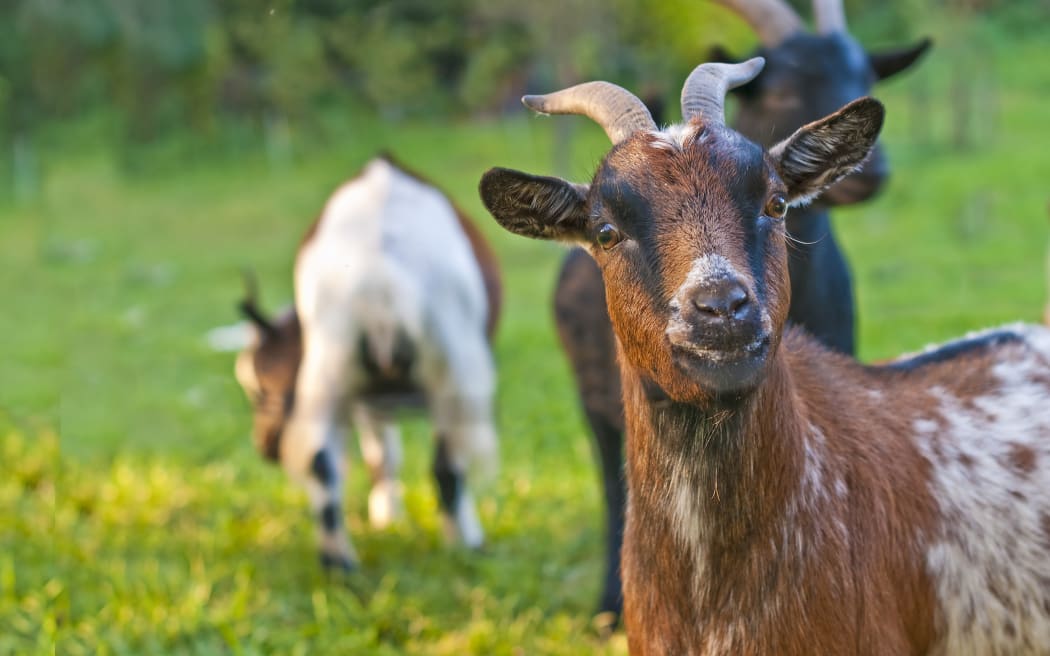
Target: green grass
136, 517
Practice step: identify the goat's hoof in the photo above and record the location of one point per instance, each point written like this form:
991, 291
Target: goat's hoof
385, 505
605, 623
338, 563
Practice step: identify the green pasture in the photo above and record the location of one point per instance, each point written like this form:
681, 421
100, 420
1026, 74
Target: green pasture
135, 517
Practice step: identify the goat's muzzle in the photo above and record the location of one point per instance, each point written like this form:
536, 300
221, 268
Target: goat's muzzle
718, 333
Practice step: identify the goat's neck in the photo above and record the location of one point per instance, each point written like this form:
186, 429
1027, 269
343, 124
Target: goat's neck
729, 468
719, 498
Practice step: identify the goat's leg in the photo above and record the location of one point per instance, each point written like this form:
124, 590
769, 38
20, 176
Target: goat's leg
312, 452
609, 441
587, 337
457, 504
381, 449
461, 407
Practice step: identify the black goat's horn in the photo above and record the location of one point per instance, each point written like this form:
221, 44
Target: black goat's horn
829, 16
772, 20
704, 92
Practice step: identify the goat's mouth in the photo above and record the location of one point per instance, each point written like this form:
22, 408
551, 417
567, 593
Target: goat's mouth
268, 442
731, 366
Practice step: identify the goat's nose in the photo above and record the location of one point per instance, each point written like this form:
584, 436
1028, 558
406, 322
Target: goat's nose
721, 299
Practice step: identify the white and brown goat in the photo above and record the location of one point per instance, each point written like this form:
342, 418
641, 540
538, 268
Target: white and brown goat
784, 499
396, 298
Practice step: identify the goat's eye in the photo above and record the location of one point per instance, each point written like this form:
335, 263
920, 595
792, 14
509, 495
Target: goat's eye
777, 207
608, 236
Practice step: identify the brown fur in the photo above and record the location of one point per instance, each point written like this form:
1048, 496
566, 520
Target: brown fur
744, 476
489, 266
787, 512
276, 363
786, 96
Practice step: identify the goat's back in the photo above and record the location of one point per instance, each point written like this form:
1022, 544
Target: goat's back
978, 412
388, 227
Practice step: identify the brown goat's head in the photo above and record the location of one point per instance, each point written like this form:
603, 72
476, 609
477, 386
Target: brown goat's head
266, 371
809, 75
687, 224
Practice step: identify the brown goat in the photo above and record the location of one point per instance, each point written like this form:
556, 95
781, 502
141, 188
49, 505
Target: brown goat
807, 76
784, 499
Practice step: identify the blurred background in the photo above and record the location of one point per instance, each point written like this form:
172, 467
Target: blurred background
152, 149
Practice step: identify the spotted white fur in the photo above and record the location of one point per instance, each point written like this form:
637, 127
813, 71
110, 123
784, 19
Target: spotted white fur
988, 557
990, 459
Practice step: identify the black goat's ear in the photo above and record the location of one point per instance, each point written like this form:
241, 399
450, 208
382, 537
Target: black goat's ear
890, 62
535, 206
819, 154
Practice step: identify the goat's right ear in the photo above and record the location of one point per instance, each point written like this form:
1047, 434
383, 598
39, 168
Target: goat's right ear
890, 62
821, 153
535, 206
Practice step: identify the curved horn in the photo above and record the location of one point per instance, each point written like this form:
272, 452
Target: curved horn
704, 92
248, 305
614, 108
772, 20
829, 16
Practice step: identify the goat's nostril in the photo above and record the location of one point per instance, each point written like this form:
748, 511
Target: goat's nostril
737, 298
721, 300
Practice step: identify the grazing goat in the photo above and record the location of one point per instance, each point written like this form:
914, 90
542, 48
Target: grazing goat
396, 298
807, 76
785, 499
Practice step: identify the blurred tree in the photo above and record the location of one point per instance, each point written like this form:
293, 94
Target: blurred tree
264, 69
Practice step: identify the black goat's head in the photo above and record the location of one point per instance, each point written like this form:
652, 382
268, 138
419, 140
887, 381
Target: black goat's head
809, 75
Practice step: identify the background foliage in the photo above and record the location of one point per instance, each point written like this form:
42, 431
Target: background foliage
150, 150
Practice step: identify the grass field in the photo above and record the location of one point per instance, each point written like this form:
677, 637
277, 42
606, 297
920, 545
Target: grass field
136, 517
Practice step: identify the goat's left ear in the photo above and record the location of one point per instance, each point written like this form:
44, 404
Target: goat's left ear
821, 153
890, 62
535, 206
